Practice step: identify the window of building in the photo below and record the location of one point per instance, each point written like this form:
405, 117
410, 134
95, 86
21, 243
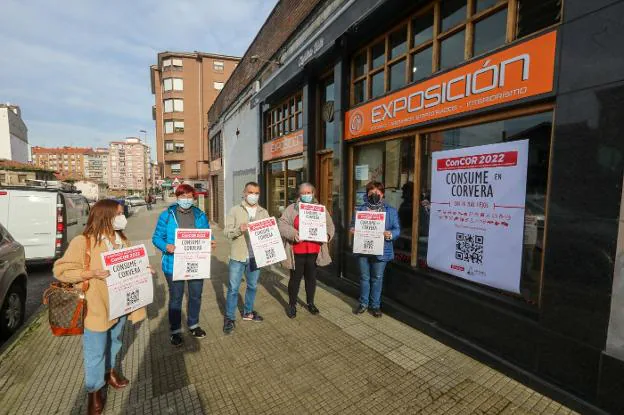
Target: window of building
218, 85
173, 84
328, 130
174, 126
179, 147
283, 178
174, 105
216, 143
218, 66
169, 146
176, 168
172, 64
284, 118
443, 35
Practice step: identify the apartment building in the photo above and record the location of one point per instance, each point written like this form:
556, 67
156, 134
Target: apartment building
128, 165
184, 86
96, 165
13, 134
69, 162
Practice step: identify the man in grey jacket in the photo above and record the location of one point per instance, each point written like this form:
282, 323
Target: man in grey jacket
241, 256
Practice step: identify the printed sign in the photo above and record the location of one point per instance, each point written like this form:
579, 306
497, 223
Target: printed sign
521, 71
361, 172
130, 284
369, 233
191, 258
312, 222
283, 146
477, 213
266, 242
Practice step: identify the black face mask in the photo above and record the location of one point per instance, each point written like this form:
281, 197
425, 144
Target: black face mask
374, 198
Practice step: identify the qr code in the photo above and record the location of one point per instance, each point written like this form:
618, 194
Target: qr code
132, 297
469, 248
269, 253
369, 245
192, 267
313, 232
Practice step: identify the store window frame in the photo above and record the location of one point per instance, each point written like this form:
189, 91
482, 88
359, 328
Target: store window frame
473, 17
283, 181
284, 118
216, 146
418, 135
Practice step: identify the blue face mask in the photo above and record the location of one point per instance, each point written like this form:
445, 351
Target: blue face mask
185, 203
307, 198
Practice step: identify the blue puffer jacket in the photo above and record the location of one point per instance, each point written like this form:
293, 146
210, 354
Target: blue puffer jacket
164, 234
392, 224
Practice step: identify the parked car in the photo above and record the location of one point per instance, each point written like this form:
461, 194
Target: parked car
135, 201
43, 220
13, 284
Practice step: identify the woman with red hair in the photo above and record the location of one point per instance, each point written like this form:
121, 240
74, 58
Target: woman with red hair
185, 215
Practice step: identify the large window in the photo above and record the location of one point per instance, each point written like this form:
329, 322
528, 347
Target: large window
283, 178
441, 36
174, 126
174, 105
284, 118
216, 145
173, 84
175, 64
326, 110
218, 66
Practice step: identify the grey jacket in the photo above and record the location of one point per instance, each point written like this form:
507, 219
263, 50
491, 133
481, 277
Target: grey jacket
286, 225
238, 241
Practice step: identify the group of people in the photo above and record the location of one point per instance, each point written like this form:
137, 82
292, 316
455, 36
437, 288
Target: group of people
105, 232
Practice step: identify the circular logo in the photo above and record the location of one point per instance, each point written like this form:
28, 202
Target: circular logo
357, 123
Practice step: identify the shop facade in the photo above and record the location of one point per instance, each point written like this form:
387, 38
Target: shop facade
527, 91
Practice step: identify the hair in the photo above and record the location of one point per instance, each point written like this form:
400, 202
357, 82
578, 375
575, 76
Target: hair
375, 185
100, 222
306, 184
184, 189
254, 184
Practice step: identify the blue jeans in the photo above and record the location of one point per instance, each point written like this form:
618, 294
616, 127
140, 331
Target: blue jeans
176, 292
371, 280
236, 277
100, 349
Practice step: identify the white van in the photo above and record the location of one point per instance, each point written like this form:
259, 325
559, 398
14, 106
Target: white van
42, 220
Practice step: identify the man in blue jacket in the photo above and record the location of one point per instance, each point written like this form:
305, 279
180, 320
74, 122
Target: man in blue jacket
183, 214
372, 267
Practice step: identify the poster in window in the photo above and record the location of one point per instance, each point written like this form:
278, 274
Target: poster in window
476, 228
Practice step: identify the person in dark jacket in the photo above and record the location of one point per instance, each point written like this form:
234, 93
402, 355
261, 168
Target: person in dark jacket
372, 267
182, 214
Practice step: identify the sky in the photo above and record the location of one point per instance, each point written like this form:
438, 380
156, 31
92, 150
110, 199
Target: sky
79, 69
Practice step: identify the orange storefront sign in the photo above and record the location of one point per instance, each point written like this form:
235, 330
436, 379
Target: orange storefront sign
284, 146
519, 72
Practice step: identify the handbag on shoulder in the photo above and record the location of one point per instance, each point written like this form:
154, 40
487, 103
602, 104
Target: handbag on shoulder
67, 303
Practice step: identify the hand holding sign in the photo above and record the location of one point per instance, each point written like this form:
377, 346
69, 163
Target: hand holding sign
312, 223
266, 242
369, 233
192, 254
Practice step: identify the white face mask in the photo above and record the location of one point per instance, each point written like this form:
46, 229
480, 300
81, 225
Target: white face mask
120, 222
252, 199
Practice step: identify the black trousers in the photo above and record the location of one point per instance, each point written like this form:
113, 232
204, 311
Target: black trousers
305, 267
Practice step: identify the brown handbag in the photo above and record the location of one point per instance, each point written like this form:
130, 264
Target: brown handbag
67, 303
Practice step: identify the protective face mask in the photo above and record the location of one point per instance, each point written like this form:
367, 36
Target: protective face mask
120, 222
185, 203
306, 198
374, 198
252, 199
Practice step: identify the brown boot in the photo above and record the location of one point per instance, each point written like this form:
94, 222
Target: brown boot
96, 402
116, 380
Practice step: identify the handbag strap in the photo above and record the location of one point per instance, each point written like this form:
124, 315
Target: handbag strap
87, 263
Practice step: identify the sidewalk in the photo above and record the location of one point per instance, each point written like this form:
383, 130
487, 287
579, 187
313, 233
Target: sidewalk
335, 363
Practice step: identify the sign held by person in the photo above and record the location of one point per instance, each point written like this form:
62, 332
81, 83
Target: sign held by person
130, 285
191, 258
476, 228
312, 222
266, 242
369, 233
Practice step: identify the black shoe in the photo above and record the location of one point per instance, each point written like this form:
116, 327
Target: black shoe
198, 332
376, 312
176, 340
253, 316
228, 326
291, 311
312, 309
361, 309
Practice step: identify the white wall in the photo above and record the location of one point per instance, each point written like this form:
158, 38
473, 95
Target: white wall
13, 137
5, 140
90, 190
240, 153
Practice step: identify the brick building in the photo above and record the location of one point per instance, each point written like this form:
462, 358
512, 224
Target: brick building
69, 162
184, 86
128, 166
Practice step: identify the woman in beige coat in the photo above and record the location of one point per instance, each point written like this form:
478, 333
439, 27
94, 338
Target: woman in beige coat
102, 337
303, 257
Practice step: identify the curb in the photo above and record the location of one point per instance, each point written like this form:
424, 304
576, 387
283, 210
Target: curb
28, 326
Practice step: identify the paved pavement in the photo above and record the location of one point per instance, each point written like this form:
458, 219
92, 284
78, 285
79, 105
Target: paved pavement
335, 363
